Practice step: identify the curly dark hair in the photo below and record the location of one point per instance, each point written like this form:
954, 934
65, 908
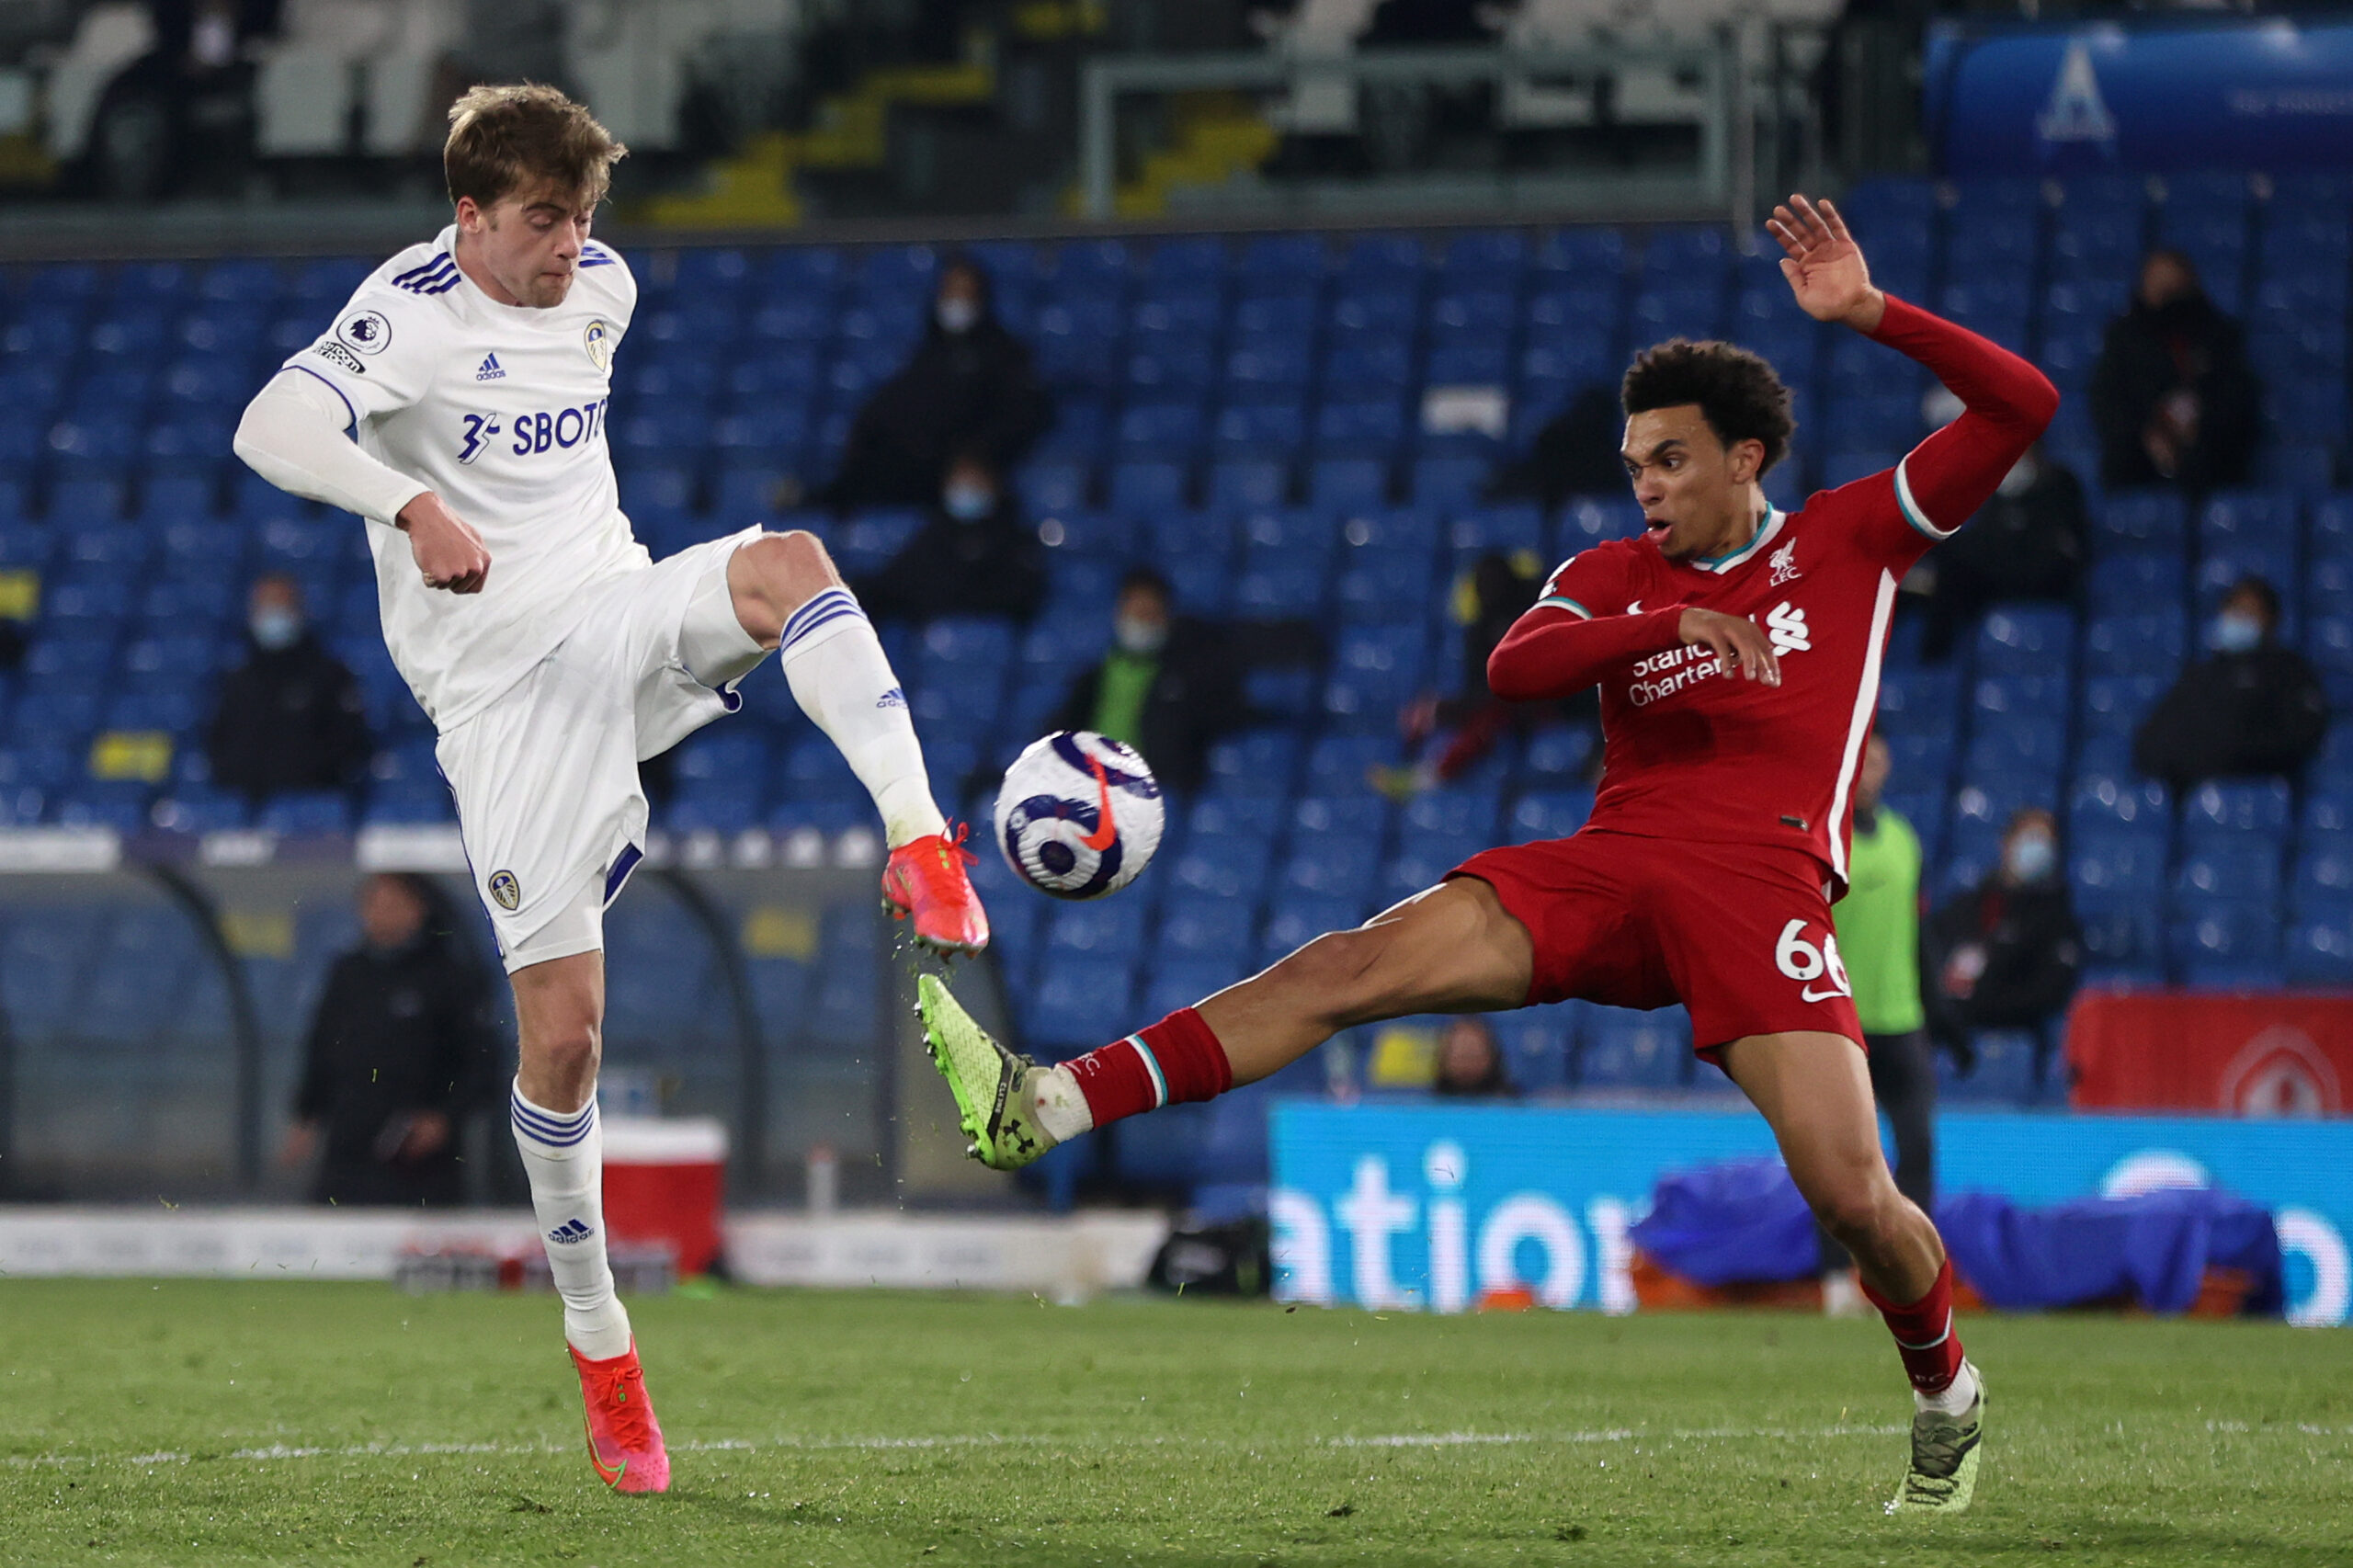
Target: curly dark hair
1738, 395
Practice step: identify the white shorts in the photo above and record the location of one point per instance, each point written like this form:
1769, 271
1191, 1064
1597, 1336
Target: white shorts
548, 801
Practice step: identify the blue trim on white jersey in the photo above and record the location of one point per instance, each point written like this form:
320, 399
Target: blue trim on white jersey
436, 277
618, 878
595, 255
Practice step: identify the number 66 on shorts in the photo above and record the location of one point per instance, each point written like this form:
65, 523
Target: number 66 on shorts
1804, 962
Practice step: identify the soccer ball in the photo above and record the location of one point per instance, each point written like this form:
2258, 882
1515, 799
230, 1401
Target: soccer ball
1079, 815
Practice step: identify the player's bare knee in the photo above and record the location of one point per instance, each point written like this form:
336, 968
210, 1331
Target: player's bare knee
566, 1053
1339, 970
775, 574
1853, 1211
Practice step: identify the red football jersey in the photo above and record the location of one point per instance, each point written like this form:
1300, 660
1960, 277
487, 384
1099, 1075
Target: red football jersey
1689, 755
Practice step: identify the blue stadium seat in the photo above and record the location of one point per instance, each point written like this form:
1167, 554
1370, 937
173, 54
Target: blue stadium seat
2320, 950
1161, 427
2324, 872
2223, 870
2219, 809
1337, 762
2116, 704
1297, 919
1627, 1051
2006, 1071
1421, 862
2140, 519
1242, 485
1364, 817
1553, 814
2120, 942
1333, 867
1341, 482
2230, 944
2104, 803
1375, 670
1561, 752
2140, 644
306, 813
2017, 639
2108, 867
1080, 1003
1179, 980
1539, 1048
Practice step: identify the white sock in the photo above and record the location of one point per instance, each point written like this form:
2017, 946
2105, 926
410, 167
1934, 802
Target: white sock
843, 683
1059, 1108
563, 1153
1954, 1397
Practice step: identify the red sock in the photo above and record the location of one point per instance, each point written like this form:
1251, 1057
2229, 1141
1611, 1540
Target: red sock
1924, 1333
1174, 1061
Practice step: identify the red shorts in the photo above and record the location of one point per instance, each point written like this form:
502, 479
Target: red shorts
1739, 934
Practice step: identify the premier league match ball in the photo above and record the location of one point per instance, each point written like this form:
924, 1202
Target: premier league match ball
1079, 815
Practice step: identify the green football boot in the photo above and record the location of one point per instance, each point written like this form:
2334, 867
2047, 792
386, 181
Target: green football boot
990, 1082
1945, 1450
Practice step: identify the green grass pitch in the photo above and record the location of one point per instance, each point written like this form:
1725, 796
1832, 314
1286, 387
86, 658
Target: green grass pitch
224, 1423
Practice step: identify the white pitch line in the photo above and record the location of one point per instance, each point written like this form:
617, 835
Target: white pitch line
280, 1452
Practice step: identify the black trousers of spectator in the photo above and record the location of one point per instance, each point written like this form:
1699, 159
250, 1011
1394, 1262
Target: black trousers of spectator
1904, 1081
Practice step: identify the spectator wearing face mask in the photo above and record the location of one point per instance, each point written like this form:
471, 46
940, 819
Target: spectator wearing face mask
2028, 543
291, 716
2173, 395
969, 389
1172, 684
2252, 709
2003, 955
976, 555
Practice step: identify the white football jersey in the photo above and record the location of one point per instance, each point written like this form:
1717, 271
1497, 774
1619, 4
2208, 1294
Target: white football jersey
500, 409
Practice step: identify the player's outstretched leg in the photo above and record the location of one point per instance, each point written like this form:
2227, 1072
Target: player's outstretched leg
1817, 1092
788, 594
1451, 948
559, 1006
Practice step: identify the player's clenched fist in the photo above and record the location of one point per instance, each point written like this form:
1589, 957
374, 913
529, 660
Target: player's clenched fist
448, 549
1737, 642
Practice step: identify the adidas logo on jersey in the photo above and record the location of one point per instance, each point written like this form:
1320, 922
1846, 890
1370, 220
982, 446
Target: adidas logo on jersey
490, 370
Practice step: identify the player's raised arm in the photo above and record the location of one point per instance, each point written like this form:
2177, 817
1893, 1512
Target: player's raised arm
2007, 403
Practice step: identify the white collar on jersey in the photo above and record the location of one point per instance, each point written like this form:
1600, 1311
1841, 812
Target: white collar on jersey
1774, 517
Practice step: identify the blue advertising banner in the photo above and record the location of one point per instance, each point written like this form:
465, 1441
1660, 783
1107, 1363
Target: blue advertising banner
2269, 93
1430, 1206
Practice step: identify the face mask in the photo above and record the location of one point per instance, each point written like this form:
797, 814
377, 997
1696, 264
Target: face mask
2030, 859
2021, 477
276, 629
1134, 636
968, 503
958, 316
2236, 633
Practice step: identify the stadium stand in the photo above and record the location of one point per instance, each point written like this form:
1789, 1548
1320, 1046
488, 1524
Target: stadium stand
1248, 415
